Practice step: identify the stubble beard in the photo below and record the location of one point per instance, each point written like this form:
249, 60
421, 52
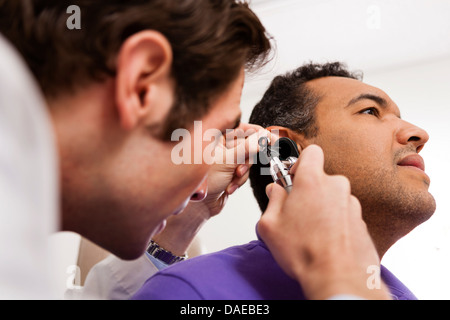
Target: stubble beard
390, 208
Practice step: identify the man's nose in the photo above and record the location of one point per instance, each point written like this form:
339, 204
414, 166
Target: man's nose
411, 134
201, 192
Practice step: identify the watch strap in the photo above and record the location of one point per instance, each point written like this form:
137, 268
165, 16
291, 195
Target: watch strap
158, 252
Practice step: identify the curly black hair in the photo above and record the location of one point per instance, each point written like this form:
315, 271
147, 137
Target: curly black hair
290, 103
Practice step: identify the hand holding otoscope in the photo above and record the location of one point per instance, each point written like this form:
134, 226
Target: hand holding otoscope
315, 231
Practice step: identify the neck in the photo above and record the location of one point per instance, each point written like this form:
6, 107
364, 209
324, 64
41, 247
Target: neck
385, 230
78, 121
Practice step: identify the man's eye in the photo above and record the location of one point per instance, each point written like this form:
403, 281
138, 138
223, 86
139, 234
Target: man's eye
371, 111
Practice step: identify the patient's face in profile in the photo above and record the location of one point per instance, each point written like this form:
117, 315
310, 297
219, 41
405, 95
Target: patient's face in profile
365, 139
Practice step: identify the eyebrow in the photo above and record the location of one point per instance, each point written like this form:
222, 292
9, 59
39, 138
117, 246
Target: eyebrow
368, 96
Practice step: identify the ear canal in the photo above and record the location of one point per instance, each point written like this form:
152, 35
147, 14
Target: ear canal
142, 96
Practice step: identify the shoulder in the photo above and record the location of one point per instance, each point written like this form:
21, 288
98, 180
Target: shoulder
398, 290
205, 276
210, 264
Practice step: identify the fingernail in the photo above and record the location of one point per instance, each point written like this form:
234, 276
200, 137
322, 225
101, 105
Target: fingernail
243, 170
269, 190
232, 189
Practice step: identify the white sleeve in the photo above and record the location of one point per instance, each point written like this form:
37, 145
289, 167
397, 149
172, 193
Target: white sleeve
28, 183
115, 279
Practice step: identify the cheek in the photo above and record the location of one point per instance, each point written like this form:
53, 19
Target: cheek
354, 153
187, 178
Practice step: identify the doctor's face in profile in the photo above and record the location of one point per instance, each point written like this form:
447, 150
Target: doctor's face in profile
188, 181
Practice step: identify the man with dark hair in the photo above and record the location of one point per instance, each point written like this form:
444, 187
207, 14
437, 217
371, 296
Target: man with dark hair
117, 87
364, 139
289, 103
383, 166
210, 42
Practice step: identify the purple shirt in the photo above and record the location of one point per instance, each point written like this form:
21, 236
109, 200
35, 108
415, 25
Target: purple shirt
246, 272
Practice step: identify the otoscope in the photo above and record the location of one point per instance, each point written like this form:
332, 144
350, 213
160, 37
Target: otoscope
282, 157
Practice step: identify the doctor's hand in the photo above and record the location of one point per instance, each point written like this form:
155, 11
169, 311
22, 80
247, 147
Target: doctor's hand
230, 171
317, 235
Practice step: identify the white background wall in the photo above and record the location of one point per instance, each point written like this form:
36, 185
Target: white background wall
422, 259
403, 47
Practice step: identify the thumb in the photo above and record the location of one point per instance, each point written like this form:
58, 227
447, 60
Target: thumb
267, 225
311, 161
277, 196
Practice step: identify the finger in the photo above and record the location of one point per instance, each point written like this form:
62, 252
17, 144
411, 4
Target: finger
311, 161
244, 146
273, 136
236, 183
241, 150
248, 126
256, 128
239, 179
245, 130
355, 206
242, 170
277, 196
254, 141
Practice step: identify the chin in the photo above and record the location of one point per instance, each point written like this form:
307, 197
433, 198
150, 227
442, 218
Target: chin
124, 246
429, 207
129, 253
420, 208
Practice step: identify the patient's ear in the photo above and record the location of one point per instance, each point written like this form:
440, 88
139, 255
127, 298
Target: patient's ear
298, 138
144, 89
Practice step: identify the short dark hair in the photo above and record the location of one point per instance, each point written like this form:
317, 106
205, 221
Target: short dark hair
211, 41
290, 103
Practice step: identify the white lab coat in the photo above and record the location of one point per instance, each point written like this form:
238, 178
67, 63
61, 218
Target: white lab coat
114, 279
28, 183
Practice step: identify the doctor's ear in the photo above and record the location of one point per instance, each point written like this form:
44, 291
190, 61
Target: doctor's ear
144, 89
284, 132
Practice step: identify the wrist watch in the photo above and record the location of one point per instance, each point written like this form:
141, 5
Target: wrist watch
158, 252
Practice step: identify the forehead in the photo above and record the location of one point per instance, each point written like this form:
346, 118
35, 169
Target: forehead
226, 107
339, 91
